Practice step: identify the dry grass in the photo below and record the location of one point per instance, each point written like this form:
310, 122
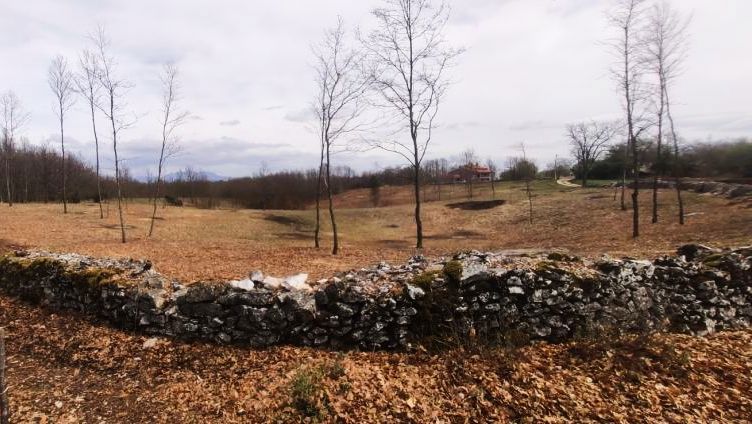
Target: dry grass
192, 244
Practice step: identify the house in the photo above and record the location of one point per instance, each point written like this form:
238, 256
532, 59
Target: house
469, 173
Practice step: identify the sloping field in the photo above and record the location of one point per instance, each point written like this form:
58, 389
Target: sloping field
69, 368
193, 244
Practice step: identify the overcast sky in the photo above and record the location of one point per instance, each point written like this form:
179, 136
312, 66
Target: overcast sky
531, 67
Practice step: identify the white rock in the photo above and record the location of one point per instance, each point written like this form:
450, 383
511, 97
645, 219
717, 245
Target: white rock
246, 284
257, 276
516, 290
296, 282
272, 283
415, 292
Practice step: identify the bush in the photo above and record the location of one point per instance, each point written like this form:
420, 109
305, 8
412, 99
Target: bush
173, 201
453, 270
305, 391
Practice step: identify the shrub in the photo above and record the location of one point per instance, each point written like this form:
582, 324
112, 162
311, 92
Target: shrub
305, 391
453, 270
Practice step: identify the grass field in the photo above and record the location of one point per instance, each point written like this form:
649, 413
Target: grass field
192, 244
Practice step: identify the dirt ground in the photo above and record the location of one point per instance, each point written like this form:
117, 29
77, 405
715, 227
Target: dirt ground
192, 244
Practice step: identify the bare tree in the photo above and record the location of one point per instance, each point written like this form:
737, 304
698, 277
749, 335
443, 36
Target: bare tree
60, 79
528, 178
409, 57
340, 102
469, 161
625, 18
665, 54
588, 141
13, 119
112, 107
4, 407
494, 169
87, 85
171, 120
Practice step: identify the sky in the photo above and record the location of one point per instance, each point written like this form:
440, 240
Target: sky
530, 67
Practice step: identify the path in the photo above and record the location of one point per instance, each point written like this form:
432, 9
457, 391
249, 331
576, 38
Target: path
567, 182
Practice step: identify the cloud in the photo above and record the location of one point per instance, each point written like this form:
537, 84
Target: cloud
531, 66
300, 115
535, 125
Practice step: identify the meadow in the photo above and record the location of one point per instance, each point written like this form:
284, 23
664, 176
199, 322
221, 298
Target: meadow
202, 244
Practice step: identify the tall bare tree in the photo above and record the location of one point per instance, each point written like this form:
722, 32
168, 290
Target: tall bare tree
665, 51
60, 79
409, 57
13, 119
172, 119
112, 106
340, 102
626, 19
588, 140
87, 85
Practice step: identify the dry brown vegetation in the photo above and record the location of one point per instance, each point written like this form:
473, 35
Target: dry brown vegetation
73, 368
192, 244
67, 369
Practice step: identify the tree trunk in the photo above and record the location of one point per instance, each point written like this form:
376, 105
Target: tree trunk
635, 191
62, 148
8, 153
584, 176
677, 173
154, 201
159, 175
318, 200
529, 199
4, 407
117, 169
96, 148
624, 181
658, 155
418, 222
335, 246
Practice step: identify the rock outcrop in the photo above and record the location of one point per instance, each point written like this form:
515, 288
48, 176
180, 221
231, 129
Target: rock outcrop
553, 298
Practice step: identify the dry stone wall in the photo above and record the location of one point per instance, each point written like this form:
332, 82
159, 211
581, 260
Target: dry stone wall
553, 297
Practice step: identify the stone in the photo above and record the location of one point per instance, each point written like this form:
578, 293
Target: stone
272, 283
516, 290
296, 282
374, 308
246, 284
257, 276
414, 292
